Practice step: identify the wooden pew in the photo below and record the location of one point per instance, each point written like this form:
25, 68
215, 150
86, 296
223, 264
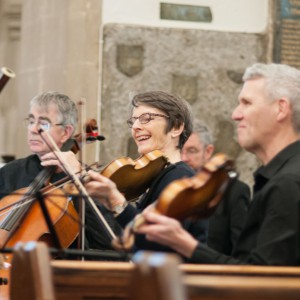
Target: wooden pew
31, 274
33, 277
79, 279
202, 287
240, 270
113, 280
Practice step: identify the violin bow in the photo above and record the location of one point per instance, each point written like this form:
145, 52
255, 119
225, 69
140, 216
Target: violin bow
68, 170
82, 158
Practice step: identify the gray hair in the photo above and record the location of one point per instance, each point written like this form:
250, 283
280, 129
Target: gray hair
282, 81
203, 132
66, 108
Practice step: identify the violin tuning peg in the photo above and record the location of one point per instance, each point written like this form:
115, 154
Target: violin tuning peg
100, 138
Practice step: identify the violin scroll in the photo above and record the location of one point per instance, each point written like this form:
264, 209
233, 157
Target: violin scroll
91, 135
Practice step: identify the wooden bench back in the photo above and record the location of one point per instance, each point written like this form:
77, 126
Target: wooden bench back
31, 274
151, 276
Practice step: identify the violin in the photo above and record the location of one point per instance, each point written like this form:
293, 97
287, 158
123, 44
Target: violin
197, 196
133, 177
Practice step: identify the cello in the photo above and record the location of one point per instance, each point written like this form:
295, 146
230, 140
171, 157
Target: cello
20, 207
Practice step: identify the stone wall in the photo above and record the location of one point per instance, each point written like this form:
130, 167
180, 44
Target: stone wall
57, 45
10, 28
204, 67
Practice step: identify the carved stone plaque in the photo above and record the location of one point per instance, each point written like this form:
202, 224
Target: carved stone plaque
185, 87
183, 12
130, 59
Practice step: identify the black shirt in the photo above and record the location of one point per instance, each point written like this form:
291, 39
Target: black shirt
21, 173
226, 224
271, 234
166, 176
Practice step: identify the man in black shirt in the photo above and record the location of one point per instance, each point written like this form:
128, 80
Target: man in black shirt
55, 113
268, 126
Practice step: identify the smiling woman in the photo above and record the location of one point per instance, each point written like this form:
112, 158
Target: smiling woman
159, 121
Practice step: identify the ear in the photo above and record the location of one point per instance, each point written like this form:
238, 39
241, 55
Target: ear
68, 131
284, 109
175, 132
208, 152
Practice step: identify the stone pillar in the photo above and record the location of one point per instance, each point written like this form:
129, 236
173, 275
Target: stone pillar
10, 22
59, 52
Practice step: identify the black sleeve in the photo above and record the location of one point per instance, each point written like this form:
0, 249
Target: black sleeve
277, 239
226, 224
173, 172
238, 208
167, 175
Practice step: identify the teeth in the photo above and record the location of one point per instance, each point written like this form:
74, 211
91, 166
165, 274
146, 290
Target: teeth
143, 138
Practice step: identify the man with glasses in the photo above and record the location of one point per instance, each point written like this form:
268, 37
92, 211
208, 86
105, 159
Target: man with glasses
52, 112
56, 114
226, 223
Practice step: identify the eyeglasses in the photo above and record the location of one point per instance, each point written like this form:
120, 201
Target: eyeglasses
42, 124
144, 118
190, 151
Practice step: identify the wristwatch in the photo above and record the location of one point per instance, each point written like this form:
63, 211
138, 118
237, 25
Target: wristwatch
118, 209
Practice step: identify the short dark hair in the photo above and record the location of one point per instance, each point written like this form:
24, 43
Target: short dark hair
176, 108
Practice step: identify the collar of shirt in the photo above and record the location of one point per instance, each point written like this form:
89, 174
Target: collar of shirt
264, 173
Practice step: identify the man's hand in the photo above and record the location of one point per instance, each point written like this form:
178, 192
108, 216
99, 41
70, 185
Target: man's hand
168, 232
